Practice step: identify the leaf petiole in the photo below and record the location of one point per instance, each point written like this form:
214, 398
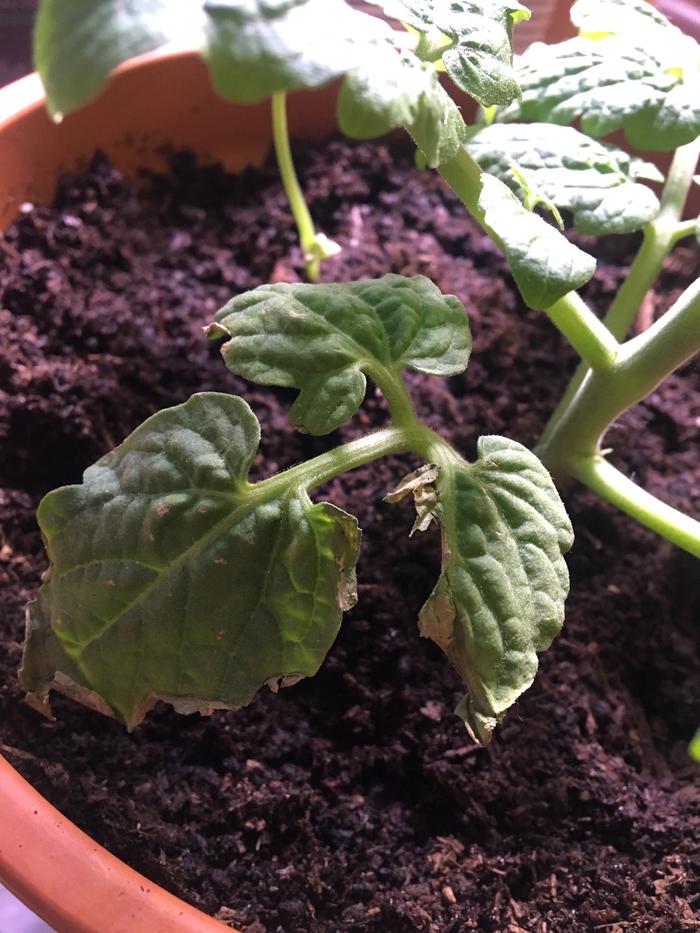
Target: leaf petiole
609, 483
660, 235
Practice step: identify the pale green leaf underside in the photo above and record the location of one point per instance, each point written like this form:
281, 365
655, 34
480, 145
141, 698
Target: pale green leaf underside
631, 70
172, 577
257, 48
475, 39
500, 597
544, 264
594, 181
392, 89
323, 339
254, 47
78, 42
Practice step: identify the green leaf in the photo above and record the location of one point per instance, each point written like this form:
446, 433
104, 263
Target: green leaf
254, 47
694, 747
323, 339
392, 89
257, 47
631, 70
500, 597
617, 17
474, 39
78, 42
596, 182
544, 264
172, 577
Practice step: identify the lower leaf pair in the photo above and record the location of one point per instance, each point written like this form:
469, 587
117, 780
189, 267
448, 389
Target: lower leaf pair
173, 577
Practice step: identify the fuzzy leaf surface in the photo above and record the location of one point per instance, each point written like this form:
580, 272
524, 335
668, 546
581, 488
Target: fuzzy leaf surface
596, 182
630, 69
392, 89
544, 264
474, 39
254, 47
323, 339
500, 597
173, 577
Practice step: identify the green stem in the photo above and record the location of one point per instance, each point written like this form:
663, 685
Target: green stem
641, 365
295, 196
418, 439
570, 314
347, 457
608, 482
407, 434
683, 229
398, 399
587, 335
659, 238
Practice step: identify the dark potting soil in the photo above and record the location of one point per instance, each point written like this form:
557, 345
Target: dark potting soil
355, 801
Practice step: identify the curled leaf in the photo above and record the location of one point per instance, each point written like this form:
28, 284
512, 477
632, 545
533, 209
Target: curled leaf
500, 597
421, 485
473, 37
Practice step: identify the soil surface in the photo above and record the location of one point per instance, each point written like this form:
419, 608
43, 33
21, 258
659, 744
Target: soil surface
355, 801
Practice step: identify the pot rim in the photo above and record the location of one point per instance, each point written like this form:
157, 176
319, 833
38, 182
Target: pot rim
72, 882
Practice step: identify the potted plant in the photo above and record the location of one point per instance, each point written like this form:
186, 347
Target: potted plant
499, 596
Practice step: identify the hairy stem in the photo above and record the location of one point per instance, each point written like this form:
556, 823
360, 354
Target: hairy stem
295, 196
418, 439
641, 365
587, 335
406, 435
659, 238
612, 485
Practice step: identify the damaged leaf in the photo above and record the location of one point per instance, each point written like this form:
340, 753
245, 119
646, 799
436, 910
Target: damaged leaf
323, 339
420, 484
500, 597
173, 577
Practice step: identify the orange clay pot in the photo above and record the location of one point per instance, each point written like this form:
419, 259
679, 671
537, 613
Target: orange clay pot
74, 884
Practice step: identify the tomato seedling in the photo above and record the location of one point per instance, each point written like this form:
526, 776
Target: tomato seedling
172, 575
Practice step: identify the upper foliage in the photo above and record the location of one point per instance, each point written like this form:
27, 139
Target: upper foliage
595, 182
173, 578
255, 48
628, 69
322, 339
473, 38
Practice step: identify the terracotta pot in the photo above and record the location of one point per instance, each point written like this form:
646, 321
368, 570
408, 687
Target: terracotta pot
74, 884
